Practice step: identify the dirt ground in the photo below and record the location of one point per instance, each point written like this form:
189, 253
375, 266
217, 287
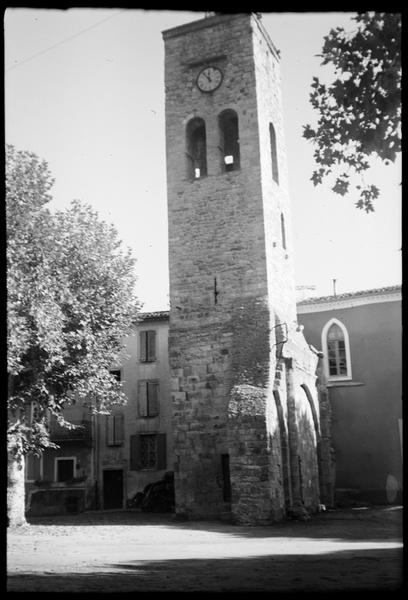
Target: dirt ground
127, 551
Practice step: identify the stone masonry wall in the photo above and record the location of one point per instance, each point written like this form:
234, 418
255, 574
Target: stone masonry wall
232, 289
276, 199
216, 243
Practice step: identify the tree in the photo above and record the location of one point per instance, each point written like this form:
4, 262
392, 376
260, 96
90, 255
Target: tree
360, 112
70, 303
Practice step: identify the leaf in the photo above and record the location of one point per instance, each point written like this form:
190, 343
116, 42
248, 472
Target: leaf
361, 108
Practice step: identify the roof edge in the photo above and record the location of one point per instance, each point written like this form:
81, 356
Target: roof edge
350, 299
158, 315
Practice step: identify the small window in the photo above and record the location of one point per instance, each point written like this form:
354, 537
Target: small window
336, 348
283, 232
148, 398
148, 451
114, 430
117, 373
148, 346
196, 148
65, 469
229, 140
274, 153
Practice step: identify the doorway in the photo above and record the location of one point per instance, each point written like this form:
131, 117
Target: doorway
112, 488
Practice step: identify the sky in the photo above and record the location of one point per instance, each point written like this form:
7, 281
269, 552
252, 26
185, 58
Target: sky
84, 89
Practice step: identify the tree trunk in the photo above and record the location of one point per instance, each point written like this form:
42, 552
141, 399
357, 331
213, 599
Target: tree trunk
16, 491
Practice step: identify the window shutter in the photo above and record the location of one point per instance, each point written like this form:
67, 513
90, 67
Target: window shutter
135, 456
110, 439
142, 399
153, 398
143, 356
119, 434
151, 345
161, 451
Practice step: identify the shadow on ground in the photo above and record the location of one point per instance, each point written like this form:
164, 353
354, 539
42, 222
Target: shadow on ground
368, 570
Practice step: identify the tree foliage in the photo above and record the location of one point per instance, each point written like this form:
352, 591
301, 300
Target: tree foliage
70, 302
359, 113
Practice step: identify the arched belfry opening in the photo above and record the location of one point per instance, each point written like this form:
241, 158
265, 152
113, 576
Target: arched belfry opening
229, 140
196, 148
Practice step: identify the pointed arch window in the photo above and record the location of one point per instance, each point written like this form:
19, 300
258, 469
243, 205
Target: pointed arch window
229, 140
336, 348
196, 148
274, 153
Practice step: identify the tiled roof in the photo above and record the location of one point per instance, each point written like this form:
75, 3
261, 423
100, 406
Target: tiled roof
159, 315
349, 295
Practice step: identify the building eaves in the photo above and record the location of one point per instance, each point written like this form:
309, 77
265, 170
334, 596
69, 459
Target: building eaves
349, 300
159, 315
333, 298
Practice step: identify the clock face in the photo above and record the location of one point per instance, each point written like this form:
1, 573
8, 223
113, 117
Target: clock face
209, 79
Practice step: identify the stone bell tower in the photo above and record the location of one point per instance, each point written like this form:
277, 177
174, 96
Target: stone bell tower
232, 299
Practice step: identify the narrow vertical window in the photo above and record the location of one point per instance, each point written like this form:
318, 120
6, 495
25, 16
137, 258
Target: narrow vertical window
283, 232
336, 348
148, 346
196, 149
274, 153
226, 477
229, 140
148, 451
216, 292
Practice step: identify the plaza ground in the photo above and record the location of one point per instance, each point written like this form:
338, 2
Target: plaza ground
125, 551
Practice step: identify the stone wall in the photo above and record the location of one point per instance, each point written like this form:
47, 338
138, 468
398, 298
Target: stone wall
219, 315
